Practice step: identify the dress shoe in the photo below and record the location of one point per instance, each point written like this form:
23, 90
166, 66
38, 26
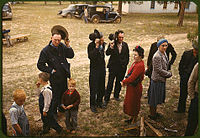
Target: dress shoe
117, 99
105, 103
93, 109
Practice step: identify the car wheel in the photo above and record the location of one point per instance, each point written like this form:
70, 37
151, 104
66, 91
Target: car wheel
95, 19
117, 20
69, 15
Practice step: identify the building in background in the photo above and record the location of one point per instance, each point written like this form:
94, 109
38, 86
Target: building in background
156, 7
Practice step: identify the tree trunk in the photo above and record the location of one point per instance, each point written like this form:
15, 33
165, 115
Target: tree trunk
181, 16
179, 4
60, 2
120, 7
45, 2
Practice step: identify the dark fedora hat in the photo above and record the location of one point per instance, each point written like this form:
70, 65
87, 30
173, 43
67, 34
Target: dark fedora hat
60, 30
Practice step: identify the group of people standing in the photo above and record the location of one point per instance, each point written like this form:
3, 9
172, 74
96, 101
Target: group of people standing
161, 57
59, 97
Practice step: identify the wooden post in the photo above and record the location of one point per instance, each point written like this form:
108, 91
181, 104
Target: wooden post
142, 127
158, 133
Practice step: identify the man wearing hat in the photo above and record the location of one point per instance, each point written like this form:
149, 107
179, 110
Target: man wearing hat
97, 70
187, 62
53, 60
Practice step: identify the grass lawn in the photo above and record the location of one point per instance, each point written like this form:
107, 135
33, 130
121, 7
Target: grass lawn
19, 65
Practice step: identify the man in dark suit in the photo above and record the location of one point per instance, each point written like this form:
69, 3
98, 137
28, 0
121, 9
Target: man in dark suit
186, 65
53, 61
97, 70
117, 64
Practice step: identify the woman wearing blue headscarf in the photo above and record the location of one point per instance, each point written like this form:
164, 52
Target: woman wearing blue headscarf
160, 62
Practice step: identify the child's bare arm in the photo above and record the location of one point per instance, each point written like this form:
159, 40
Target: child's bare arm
17, 128
63, 106
69, 106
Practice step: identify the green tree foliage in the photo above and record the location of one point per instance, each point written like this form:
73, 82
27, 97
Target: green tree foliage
192, 35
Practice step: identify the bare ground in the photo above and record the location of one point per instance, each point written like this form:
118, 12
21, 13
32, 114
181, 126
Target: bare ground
19, 66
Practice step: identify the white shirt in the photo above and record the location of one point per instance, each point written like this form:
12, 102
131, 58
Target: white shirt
47, 93
119, 47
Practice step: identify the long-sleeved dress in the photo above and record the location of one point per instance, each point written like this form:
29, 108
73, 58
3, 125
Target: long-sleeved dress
134, 93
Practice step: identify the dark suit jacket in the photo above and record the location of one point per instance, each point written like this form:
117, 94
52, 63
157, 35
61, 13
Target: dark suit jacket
55, 58
96, 56
187, 62
118, 60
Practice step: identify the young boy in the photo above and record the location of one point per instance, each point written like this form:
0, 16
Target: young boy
45, 98
18, 116
70, 102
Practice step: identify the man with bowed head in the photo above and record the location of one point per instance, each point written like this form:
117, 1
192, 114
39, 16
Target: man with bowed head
97, 70
53, 60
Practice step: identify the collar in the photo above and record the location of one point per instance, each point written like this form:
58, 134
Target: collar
17, 105
45, 87
69, 92
51, 44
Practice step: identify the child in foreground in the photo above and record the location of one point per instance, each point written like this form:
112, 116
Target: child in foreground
45, 100
70, 102
19, 120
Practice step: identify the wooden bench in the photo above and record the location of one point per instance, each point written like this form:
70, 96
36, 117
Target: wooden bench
17, 38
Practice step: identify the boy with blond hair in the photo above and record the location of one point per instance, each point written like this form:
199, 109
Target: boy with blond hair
70, 103
45, 100
18, 116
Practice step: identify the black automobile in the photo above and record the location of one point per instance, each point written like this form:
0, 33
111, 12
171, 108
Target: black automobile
6, 11
102, 13
73, 10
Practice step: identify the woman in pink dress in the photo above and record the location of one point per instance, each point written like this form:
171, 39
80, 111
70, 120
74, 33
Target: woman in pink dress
133, 81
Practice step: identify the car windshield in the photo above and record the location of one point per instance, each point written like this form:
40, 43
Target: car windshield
71, 7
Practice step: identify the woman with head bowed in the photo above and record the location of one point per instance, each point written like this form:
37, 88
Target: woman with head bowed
133, 81
160, 62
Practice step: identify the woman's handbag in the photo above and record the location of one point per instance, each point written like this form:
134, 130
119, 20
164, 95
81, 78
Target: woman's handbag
136, 81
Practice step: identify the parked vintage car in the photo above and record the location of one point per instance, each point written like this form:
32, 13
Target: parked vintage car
102, 13
73, 10
6, 11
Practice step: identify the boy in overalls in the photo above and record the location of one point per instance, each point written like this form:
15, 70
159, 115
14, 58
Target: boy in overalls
45, 106
18, 116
